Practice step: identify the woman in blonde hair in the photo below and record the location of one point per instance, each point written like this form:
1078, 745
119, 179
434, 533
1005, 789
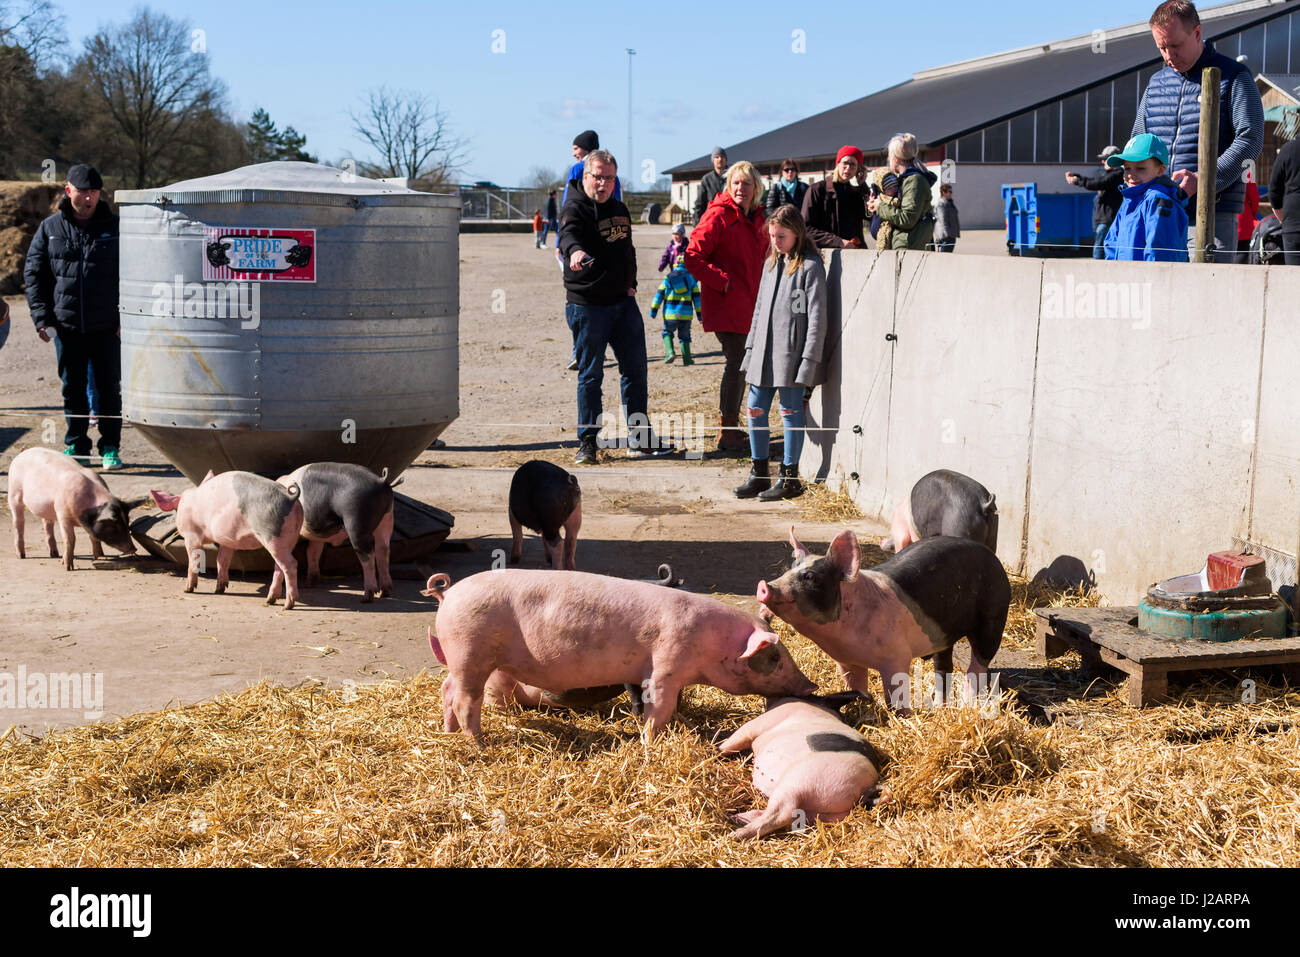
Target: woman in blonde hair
784, 351
725, 254
910, 214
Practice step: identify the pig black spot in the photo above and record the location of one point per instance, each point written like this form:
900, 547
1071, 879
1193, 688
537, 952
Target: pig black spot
816, 589
764, 661
264, 503
833, 741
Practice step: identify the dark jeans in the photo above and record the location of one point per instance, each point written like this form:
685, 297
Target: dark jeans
550, 225
682, 328
732, 391
1099, 232
621, 327
81, 355
1291, 247
945, 245
1242, 256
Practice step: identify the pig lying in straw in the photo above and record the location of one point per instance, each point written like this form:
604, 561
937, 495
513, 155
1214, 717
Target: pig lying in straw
564, 630
344, 502
810, 764
917, 604
239, 511
59, 490
945, 503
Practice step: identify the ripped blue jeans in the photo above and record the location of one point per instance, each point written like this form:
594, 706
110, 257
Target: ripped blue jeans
792, 416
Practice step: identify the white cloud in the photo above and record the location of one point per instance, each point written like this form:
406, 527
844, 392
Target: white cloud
573, 108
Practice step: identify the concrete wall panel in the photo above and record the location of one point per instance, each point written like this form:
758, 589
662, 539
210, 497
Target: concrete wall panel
1147, 375
1276, 518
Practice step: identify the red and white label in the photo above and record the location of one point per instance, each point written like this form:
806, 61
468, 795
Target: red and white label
253, 254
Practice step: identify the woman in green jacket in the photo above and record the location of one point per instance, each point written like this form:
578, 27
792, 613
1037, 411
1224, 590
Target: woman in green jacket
910, 213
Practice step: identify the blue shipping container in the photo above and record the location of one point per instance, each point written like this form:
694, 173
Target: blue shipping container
1047, 224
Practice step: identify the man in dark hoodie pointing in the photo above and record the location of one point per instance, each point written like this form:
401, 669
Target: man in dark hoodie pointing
600, 286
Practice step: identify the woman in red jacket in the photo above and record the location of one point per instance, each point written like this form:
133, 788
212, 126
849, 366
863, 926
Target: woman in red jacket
726, 255
1246, 220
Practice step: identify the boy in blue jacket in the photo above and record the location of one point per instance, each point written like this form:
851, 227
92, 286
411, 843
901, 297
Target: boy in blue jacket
1152, 222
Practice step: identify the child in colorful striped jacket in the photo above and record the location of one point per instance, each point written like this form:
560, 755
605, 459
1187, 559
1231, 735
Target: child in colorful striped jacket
679, 294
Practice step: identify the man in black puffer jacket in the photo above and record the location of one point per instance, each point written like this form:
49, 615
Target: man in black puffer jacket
71, 275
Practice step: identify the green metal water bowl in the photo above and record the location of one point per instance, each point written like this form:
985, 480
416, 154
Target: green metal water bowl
1183, 608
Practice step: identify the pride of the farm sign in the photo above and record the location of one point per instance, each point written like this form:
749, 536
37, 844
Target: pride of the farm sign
255, 254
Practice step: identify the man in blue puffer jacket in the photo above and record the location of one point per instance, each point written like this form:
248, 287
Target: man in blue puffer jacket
1171, 109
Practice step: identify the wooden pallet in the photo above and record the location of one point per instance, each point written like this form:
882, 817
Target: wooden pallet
1109, 639
418, 530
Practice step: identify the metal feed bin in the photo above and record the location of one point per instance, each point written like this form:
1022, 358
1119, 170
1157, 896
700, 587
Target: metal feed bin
288, 313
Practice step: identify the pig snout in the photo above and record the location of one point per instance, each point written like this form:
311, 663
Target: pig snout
763, 593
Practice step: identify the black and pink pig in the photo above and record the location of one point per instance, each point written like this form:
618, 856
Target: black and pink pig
944, 503
917, 604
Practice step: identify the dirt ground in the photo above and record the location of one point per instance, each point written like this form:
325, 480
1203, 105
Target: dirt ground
129, 620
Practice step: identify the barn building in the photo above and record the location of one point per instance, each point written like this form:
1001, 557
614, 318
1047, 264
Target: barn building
1029, 114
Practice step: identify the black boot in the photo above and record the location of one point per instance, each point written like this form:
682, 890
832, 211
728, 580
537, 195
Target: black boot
759, 479
787, 486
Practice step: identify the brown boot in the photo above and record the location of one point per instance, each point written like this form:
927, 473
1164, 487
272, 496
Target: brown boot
732, 438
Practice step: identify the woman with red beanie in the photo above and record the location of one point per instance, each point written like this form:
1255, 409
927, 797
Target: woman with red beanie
835, 209
726, 255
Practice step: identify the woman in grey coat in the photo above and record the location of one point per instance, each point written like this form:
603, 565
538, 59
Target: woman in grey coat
784, 351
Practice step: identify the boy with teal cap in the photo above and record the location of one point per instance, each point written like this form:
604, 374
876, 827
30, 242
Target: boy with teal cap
1152, 222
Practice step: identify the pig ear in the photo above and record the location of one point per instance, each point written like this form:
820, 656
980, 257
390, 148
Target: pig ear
757, 642
208, 476
844, 553
135, 503
800, 553
165, 502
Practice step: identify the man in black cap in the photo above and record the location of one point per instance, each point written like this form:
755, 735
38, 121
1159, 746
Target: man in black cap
713, 182
71, 276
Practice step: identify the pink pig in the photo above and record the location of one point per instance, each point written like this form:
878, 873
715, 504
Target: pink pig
56, 488
810, 764
564, 629
239, 511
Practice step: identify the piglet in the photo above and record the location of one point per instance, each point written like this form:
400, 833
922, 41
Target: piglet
810, 764
545, 498
564, 630
58, 489
917, 604
239, 511
945, 503
344, 502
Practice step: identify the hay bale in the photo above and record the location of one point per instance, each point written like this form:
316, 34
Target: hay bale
22, 207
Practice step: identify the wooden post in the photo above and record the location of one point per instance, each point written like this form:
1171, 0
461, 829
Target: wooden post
1207, 164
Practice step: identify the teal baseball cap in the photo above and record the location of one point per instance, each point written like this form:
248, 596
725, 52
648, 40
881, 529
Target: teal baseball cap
1141, 147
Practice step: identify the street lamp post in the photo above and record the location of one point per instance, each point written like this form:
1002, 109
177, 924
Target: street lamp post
628, 164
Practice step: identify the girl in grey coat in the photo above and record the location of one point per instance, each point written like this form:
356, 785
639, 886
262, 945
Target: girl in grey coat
784, 351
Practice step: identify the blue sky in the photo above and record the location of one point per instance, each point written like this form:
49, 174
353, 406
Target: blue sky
718, 73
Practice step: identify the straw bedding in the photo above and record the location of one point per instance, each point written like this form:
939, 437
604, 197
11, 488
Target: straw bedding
277, 776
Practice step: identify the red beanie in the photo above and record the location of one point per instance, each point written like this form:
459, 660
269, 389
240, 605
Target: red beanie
849, 151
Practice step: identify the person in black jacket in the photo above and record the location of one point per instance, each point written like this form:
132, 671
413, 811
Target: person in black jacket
712, 183
600, 288
1106, 185
1284, 194
788, 190
552, 221
71, 275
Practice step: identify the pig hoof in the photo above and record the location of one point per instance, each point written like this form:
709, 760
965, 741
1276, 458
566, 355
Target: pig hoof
220, 589
367, 598
288, 604
271, 600
385, 591
188, 589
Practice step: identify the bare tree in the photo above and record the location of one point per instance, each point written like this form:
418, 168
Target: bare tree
156, 88
411, 135
544, 178
33, 26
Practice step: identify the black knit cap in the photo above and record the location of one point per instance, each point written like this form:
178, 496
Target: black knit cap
84, 176
587, 140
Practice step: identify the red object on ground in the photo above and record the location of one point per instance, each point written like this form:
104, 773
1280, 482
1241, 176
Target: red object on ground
1227, 569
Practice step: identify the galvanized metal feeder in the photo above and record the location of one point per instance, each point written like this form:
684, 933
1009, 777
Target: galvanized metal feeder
288, 313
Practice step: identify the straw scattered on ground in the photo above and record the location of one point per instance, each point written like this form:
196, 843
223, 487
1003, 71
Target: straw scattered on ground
827, 502
276, 776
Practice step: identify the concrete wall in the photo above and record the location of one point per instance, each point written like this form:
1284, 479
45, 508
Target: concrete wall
1129, 417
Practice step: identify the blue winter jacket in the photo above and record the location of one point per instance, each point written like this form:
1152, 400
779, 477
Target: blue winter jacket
1151, 224
1171, 109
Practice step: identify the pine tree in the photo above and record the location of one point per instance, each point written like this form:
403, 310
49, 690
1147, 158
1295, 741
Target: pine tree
263, 138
